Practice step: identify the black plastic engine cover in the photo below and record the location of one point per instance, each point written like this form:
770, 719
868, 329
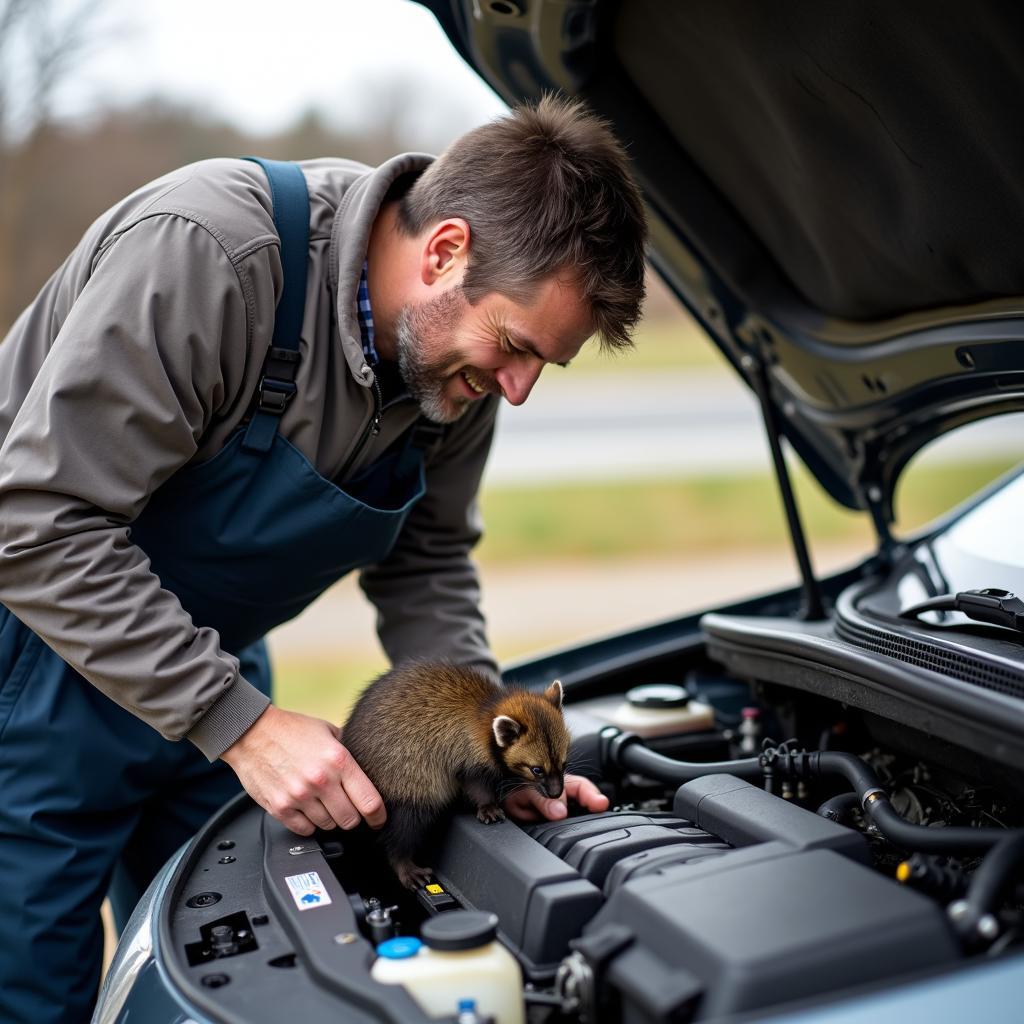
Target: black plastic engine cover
757, 927
541, 901
543, 881
743, 815
609, 848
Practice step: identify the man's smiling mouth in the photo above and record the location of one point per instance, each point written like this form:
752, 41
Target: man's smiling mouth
474, 383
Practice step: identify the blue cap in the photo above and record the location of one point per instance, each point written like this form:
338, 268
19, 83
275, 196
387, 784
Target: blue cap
467, 1006
400, 948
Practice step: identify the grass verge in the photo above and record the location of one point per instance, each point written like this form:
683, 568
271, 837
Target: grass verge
662, 343
553, 526
654, 517
324, 687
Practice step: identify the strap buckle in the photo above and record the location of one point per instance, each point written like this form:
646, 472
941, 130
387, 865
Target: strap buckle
274, 395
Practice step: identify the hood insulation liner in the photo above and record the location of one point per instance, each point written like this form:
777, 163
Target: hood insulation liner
873, 150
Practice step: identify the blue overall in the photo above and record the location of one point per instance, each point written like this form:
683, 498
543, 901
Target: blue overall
90, 797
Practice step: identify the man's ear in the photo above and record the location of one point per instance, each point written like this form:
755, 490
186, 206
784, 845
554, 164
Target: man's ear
445, 251
555, 694
506, 730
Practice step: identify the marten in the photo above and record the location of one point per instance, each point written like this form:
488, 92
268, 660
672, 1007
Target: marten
428, 732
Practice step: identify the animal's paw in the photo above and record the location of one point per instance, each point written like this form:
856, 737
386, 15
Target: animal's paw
411, 875
490, 813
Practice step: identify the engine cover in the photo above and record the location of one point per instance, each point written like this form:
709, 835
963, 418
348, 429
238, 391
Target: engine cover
545, 882
671, 916
758, 927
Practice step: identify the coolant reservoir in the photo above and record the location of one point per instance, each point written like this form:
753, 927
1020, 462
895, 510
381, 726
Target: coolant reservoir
655, 709
458, 958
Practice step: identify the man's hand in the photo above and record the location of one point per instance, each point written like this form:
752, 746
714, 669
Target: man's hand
295, 768
528, 804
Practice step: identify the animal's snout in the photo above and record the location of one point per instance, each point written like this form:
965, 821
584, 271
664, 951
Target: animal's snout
553, 786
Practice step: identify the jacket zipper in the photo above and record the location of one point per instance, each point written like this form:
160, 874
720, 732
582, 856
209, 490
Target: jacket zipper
370, 429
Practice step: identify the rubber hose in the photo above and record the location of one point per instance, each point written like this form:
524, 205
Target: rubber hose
945, 839
637, 758
854, 769
838, 808
994, 874
629, 752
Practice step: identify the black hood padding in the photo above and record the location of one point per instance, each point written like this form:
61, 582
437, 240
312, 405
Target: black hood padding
874, 151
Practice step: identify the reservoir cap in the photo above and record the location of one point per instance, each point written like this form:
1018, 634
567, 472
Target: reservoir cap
658, 695
460, 929
400, 948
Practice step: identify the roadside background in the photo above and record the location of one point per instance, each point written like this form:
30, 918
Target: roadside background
628, 489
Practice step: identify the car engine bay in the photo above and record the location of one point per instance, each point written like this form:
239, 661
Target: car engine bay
767, 846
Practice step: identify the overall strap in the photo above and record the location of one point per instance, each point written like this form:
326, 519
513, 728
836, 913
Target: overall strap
423, 440
277, 384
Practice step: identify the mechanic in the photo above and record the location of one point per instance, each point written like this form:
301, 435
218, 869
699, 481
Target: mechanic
201, 431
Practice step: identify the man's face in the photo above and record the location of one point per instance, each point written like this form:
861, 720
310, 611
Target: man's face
451, 354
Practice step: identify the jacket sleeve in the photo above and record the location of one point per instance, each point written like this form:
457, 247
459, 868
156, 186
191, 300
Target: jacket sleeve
135, 374
427, 592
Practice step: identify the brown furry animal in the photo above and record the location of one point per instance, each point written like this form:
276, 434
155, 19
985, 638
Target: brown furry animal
427, 732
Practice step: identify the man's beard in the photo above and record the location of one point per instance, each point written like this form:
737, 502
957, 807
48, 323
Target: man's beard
417, 330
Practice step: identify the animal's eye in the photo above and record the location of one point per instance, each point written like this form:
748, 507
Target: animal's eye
537, 771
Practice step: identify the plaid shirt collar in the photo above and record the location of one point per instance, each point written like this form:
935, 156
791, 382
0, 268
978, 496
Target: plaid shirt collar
365, 315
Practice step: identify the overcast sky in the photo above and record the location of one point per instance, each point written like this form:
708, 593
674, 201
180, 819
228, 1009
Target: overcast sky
261, 63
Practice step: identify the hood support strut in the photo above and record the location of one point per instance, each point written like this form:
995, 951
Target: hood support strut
813, 605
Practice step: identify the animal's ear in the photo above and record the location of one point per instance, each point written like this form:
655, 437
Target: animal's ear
506, 730
554, 693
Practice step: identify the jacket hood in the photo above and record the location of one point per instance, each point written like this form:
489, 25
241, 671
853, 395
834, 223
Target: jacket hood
350, 237
836, 191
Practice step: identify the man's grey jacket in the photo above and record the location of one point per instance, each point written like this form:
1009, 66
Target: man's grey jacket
140, 356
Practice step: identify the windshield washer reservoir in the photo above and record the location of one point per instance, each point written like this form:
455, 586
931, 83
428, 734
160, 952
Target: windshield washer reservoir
651, 710
459, 958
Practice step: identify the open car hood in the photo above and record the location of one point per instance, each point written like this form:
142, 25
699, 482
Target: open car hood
836, 192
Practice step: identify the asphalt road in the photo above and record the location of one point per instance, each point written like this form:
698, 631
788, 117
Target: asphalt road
677, 423
617, 426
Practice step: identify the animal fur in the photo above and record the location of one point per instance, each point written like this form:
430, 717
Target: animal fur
428, 733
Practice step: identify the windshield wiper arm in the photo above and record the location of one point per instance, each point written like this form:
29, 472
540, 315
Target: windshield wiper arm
992, 605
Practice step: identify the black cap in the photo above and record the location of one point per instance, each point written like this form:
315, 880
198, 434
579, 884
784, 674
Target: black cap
460, 929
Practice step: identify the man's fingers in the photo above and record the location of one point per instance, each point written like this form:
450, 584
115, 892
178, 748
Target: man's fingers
585, 793
531, 805
554, 810
526, 805
522, 805
362, 793
346, 795
296, 822
339, 807
284, 762
324, 818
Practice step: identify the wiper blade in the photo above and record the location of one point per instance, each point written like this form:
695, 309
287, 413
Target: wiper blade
992, 605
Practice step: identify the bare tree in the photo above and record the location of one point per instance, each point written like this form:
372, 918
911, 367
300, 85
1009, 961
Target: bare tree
41, 44
11, 14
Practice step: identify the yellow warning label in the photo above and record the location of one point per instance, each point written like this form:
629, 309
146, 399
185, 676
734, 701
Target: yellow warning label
434, 889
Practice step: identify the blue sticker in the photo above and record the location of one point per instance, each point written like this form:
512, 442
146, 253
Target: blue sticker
307, 890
